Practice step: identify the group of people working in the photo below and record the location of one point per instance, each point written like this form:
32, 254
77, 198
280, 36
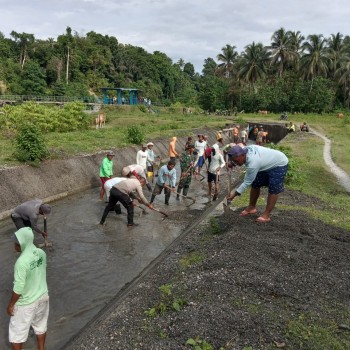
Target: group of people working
29, 303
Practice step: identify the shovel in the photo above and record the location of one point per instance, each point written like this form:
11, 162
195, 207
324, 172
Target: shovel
46, 242
181, 195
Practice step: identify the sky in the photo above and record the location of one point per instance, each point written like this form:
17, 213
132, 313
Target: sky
189, 29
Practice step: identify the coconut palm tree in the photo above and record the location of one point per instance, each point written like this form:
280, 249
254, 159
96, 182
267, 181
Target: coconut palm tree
253, 63
342, 75
295, 42
281, 50
227, 57
335, 50
315, 61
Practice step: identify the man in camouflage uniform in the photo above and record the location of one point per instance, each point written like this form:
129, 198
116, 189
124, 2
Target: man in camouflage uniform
187, 164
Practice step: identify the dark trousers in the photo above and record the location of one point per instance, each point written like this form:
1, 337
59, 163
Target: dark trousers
19, 222
115, 197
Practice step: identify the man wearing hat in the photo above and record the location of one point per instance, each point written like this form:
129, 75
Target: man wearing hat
106, 171
166, 177
186, 165
264, 167
136, 171
29, 303
27, 215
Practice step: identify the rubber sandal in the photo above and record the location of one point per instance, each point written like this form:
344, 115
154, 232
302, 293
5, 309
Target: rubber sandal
245, 212
261, 219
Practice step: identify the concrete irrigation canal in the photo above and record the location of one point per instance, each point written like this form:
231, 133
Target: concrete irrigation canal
90, 265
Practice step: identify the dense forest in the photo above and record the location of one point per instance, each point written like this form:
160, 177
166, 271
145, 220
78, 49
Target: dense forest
294, 73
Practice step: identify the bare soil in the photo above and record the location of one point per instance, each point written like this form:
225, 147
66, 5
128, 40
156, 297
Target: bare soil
240, 285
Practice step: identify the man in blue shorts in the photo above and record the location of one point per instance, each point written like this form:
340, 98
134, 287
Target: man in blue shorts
264, 167
200, 146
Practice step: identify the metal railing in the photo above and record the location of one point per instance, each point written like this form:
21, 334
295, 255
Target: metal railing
49, 99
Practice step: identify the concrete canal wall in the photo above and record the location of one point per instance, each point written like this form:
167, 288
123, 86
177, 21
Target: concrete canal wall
55, 179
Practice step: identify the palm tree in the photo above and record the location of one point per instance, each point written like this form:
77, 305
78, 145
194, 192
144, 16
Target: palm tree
228, 57
281, 50
253, 63
295, 42
315, 61
335, 50
342, 75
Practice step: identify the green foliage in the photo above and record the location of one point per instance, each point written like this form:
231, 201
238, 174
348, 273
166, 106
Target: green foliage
135, 135
167, 302
199, 344
30, 144
191, 259
294, 174
47, 119
214, 226
309, 332
142, 108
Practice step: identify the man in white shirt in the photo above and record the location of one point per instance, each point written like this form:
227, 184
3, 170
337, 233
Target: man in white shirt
136, 171
141, 157
216, 164
200, 146
122, 192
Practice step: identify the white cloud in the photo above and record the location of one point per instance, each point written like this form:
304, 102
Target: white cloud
188, 29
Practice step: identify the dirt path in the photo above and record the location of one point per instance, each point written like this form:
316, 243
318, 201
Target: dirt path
341, 175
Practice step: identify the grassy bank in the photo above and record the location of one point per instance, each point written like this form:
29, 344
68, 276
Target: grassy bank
311, 177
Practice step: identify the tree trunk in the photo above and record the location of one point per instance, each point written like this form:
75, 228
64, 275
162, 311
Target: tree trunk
67, 66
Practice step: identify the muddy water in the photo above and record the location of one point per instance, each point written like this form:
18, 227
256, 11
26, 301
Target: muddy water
89, 264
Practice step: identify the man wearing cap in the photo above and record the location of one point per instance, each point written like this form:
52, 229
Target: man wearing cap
166, 177
136, 171
123, 192
106, 171
27, 215
264, 167
29, 303
186, 165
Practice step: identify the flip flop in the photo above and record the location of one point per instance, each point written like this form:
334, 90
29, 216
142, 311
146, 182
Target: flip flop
261, 219
245, 212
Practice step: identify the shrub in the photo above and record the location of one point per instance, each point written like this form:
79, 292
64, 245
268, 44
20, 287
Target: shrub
142, 108
135, 135
30, 144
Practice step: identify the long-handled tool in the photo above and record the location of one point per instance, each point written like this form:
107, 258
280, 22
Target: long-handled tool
158, 166
161, 212
229, 189
46, 242
181, 195
142, 208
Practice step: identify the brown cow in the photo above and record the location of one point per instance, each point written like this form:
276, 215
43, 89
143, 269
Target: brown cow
262, 112
100, 120
340, 116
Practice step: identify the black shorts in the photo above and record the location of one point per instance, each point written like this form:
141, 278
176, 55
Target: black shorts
213, 177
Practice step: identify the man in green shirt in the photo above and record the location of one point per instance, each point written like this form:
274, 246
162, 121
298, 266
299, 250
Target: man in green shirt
29, 304
106, 171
